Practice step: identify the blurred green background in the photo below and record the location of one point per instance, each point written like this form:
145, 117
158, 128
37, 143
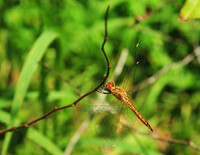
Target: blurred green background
67, 36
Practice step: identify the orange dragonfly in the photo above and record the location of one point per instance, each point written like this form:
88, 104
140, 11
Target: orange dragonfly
121, 95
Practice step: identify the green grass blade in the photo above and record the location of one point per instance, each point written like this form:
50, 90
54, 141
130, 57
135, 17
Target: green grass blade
28, 69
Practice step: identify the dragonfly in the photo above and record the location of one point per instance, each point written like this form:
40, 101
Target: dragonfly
121, 95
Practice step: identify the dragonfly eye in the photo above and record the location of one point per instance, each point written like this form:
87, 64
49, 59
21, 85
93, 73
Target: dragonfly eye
110, 85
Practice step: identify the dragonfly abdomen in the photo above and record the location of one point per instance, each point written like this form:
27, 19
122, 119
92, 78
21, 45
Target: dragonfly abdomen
131, 106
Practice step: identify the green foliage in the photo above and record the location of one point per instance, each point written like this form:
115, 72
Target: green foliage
27, 91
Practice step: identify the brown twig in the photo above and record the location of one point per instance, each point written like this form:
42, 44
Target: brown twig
154, 136
80, 98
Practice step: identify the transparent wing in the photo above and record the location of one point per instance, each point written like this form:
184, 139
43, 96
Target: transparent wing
131, 71
111, 126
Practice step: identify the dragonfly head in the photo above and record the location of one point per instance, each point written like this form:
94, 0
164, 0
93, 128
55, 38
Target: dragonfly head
110, 85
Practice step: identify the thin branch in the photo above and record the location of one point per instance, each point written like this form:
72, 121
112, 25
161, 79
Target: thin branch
154, 136
162, 71
80, 98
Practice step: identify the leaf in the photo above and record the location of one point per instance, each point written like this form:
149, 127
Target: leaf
28, 69
190, 10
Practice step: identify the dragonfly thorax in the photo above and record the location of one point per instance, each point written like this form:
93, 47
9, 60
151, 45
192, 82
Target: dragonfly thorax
119, 93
